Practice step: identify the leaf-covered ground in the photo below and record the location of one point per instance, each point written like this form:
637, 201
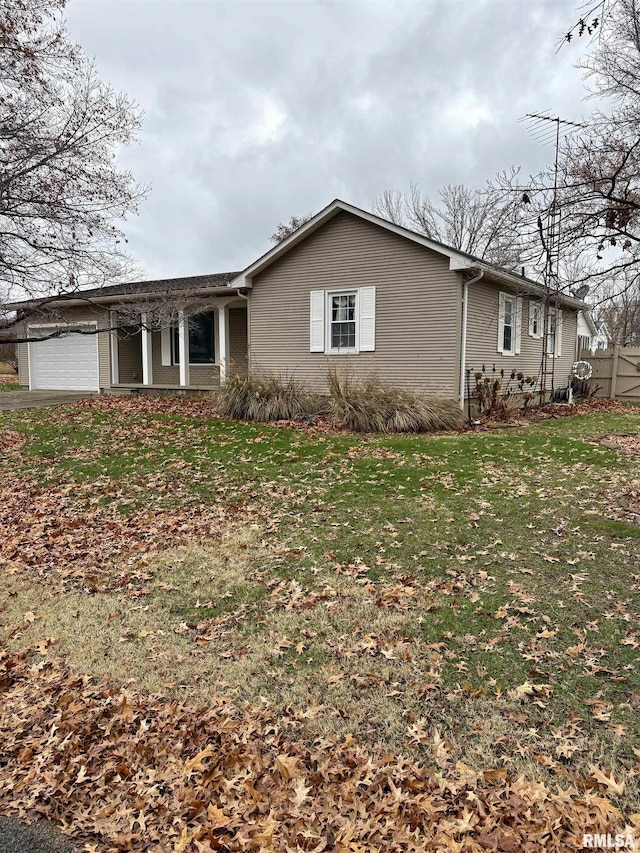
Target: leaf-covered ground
418, 642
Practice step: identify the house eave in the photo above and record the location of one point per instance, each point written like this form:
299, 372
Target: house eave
527, 286
458, 261
77, 301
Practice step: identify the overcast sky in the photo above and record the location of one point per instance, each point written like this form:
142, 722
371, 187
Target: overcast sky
258, 110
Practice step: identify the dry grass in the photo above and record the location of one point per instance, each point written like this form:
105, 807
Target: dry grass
346, 649
369, 405
145, 642
264, 397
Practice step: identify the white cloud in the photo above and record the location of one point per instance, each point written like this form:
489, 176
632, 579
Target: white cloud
258, 110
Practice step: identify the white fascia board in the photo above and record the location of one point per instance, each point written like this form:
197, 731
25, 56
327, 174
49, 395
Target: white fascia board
588, 319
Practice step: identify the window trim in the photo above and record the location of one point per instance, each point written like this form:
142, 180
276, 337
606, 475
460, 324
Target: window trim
515, 323
555, 314
329, 294
538, 308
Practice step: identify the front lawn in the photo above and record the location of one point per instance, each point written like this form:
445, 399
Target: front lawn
462, 600
9, 383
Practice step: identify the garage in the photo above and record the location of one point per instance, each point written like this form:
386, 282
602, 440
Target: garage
67, 363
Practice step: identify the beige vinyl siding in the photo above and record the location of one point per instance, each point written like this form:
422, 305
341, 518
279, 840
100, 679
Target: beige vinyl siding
199, 374
129, 354
71, 315
238, 339
482, 337
418, 307
23, 356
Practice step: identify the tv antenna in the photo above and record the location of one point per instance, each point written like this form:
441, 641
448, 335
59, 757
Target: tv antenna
548, 129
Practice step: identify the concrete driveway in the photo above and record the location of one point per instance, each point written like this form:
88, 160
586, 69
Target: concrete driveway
13, 400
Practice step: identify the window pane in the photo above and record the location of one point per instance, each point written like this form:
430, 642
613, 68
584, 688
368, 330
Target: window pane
343, 335
201, 339
201, 346
506, 338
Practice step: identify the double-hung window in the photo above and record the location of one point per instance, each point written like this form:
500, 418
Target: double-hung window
554, 333
342, 321
536, 319
551, 335
509, 321
508, 325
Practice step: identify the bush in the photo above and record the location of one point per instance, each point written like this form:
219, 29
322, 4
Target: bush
8, 356
500, 393
371, 406
265, 397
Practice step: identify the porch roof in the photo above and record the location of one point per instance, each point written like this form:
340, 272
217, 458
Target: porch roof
214, 284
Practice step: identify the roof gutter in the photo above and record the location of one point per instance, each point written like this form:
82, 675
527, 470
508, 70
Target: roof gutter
463, 331
526, 286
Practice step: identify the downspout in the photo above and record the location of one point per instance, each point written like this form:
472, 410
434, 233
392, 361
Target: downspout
463, 333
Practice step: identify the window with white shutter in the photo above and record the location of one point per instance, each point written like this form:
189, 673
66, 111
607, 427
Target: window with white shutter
343, 321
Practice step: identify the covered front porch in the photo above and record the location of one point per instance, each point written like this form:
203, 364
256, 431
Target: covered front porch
193, 349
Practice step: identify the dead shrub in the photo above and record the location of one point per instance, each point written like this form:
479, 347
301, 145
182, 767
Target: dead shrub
8, 357
261, 396
501, 393
369, 405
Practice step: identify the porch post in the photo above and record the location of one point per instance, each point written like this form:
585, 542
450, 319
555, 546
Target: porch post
113, 337
183, 348
223, 338
147, 362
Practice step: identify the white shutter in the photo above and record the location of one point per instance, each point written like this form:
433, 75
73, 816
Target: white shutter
518, 322
501, 322
165, 345
558, 332
367, 318
316, 342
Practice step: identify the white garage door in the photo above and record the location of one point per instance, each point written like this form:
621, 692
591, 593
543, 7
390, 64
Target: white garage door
68, 363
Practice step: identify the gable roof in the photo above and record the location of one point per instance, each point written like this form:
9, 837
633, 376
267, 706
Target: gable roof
216, 283
459, 261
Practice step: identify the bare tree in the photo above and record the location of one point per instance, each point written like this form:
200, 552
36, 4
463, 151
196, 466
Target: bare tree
621, 311
285, 229
481, 222
62, 196
596, 188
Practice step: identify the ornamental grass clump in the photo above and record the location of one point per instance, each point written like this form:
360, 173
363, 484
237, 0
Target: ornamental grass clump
262, 396
368, 405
